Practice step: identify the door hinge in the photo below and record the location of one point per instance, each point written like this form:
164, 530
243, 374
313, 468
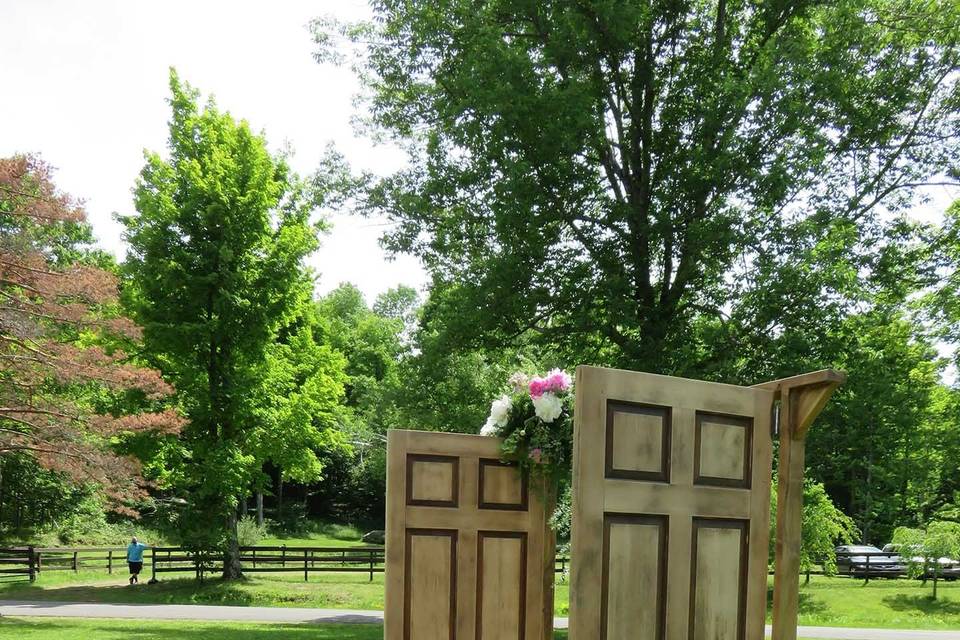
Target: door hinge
775, 420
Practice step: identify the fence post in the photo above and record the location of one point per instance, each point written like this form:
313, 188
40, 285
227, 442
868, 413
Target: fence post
254, 558
305, 569
74, 561
866, 572
31, 562
110, 561
371, 566
283, 555
153, 564
39, 561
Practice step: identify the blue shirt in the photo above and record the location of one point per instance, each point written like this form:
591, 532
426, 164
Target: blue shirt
135, 552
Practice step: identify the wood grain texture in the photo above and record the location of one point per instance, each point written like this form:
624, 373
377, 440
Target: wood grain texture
433, 480
633, 596
723, 451
501, 488
501, 585
801, 400
718, 572
501, 573
638, 442
430, 583
738, 456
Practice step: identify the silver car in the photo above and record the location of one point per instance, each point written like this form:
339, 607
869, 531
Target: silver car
949, 568
867, 561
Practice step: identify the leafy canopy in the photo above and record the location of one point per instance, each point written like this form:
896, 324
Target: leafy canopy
604, 172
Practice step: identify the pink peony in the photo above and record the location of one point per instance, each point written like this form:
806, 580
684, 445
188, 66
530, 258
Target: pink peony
538, 386
558, 381
536, 455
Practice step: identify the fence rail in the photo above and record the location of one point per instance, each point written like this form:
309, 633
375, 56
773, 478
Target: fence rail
280, 559
18, 562
28, 562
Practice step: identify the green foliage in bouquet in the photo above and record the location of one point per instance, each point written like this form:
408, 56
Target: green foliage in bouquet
535, 421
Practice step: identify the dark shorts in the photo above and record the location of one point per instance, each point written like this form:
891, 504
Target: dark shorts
135, 567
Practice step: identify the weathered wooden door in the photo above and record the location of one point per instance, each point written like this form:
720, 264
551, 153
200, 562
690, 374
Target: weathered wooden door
469, 554
671, 508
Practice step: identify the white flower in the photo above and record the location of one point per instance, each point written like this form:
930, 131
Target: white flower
519, 382
489, 428
548, 407
500, 410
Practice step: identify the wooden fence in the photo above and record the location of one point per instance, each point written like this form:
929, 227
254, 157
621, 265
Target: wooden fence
280, 559
18, 563
28, 562
76, 558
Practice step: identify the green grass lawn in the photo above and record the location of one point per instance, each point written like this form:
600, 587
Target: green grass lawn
841, 602
59, 628
324, 590
890, 604
323, 535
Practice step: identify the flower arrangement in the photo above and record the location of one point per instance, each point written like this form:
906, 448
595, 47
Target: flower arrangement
535, 420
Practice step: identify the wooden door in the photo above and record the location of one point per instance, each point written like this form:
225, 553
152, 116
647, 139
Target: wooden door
469, 554
671, 508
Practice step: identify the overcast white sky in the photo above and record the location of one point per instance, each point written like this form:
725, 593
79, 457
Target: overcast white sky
85, 86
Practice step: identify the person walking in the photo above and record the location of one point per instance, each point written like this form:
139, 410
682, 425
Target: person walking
135, 559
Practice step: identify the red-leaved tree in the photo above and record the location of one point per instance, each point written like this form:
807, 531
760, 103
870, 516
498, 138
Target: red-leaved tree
59, 337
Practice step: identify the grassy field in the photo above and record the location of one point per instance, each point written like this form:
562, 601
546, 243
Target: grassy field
839, 602
889, 604
326, 590
323, 535
59, 628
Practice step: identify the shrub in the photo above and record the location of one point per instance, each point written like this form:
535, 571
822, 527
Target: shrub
249, 533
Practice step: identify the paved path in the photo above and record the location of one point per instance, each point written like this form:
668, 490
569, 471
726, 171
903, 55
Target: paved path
301, 615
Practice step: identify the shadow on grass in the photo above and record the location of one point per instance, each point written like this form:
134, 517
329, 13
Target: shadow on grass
808, 604
147, 630
169, 592
923, 604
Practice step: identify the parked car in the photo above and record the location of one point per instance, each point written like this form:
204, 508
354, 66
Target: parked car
949, 567
867, 561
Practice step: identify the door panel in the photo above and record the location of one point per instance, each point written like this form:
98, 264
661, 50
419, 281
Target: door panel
671, 508
501, 585
634, 583
469, 553
431, 583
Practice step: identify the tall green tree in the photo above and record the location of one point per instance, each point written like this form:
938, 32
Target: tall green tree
823, 527
869, 446
603, 173
215, 271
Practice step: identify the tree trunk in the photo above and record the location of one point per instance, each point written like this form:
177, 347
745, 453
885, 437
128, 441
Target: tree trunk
868, 498
259, 508
279, 498
231, 557
1, 491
